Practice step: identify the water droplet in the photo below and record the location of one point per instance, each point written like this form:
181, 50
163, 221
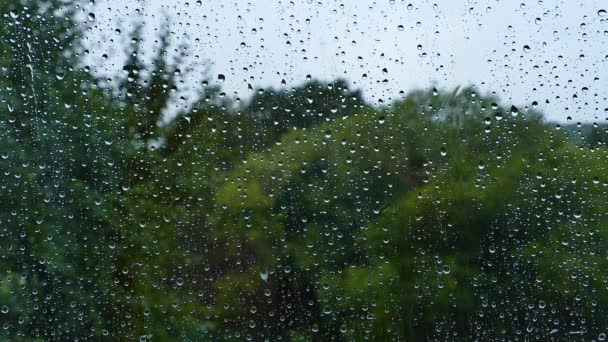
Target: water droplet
264, 275
446, 269
514, 111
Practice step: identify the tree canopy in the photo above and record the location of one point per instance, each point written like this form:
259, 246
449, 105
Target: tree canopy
301, 213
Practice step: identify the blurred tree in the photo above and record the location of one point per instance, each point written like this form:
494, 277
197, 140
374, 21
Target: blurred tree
275, 111
408, 222
303, 214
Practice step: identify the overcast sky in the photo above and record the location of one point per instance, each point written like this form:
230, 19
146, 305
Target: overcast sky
525, 51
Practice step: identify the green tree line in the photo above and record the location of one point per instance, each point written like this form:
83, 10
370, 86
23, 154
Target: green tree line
300, 213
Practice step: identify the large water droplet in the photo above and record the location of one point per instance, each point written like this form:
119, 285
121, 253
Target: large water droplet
514, 111
264, 275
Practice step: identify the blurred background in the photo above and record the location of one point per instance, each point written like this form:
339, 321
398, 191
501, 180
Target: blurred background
303, 171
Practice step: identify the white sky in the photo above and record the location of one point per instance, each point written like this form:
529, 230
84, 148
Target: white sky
461, 42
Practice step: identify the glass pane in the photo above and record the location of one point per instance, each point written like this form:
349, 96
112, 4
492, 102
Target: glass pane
303, 170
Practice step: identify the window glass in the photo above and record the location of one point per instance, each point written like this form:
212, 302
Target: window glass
303, 170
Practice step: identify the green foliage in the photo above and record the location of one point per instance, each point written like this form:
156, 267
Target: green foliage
304, 214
